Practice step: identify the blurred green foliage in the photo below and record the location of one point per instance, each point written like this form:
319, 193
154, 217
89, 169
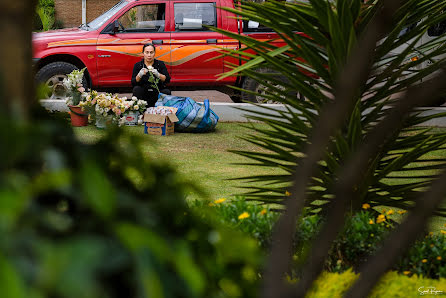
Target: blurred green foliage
106, 220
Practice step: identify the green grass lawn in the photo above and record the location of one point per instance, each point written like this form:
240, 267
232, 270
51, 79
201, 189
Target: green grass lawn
201, 158
204, 158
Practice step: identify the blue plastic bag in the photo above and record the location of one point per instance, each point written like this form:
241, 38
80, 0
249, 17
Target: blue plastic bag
192, 116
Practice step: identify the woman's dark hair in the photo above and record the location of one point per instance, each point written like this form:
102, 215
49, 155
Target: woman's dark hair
148, 45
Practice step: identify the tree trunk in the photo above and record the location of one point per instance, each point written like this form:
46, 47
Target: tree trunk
16, 74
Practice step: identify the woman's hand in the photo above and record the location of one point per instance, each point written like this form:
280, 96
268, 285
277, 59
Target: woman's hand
142, 72
155, 72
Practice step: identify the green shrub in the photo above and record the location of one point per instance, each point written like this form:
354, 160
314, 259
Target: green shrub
46, 18
47, 4
37, 22
254, 220
427, 258
46, 13
360, 238
362, 235
58, 24
390, 285
257, 220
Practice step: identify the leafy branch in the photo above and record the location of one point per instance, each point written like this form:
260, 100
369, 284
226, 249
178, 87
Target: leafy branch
154, 81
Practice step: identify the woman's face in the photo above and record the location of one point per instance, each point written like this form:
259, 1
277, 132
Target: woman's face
149, 53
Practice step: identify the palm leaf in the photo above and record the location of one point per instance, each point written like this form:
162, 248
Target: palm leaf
330, 32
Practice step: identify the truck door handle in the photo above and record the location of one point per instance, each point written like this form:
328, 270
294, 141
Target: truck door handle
211, 40
157, 41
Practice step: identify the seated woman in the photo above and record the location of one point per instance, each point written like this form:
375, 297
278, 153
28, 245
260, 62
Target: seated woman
142, 87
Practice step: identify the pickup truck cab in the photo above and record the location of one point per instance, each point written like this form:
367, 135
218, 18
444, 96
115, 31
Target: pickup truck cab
110, 45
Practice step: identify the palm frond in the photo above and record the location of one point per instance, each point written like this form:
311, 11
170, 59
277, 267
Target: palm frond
310, 61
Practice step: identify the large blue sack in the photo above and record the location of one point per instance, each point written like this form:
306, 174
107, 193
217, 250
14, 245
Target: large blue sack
192, 116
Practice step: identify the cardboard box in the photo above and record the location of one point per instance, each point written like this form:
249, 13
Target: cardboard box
162, 125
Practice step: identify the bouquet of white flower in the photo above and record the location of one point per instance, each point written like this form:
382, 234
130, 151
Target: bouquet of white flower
103, 106
135, 104
74, 86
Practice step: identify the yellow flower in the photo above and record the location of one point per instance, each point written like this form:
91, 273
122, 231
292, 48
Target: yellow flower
263, 212
432, 245
424, 261
439, 258
443, 231
365, 206
390, 212
381, 218
406, 272
221, 200
211, 204
287, 193
371, 222
402, 211
243, 215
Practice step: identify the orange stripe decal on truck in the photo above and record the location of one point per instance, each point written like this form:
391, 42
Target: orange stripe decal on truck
174, 56
107, 41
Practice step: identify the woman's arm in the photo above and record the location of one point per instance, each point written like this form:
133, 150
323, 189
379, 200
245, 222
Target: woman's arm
164, 74
135, 79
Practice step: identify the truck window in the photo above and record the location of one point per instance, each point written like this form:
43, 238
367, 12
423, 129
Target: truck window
193, 16
99, 21
143, 18
252, 26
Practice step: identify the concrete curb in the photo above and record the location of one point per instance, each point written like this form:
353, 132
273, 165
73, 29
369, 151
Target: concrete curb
238, 112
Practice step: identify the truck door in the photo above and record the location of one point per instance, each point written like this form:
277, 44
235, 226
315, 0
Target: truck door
117, 52
193, 44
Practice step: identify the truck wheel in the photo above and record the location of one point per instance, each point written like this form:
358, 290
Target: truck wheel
261, 90
52, 75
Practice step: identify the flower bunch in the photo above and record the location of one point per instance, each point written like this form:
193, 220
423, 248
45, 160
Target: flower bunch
103, 105
108, 104
73, 83
135, 104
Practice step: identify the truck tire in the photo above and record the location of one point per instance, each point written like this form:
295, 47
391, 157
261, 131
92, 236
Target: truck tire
252, 85
52, 75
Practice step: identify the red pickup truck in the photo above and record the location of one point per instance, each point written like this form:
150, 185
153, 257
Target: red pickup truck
110, 45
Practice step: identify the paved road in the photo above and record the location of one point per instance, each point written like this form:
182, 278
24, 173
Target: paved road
199, 95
